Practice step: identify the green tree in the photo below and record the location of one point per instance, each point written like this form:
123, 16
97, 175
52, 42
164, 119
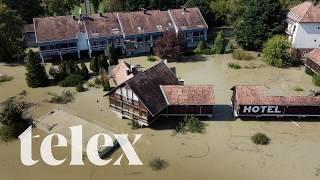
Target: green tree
204, 7
259, 21
95, 4
219, 44
103, 62
275, 51
94, 64
13, 123
84, 71
26, 9
59, 7
113, 55
36, 75
10, 32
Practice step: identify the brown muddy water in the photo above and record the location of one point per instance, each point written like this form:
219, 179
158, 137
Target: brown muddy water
225, 151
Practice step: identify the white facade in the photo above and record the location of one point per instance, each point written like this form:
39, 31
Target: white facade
304, 35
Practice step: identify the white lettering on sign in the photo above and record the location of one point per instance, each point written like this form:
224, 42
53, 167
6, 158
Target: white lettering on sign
262, 109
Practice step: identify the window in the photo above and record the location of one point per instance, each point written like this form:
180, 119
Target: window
139, 39
147, 38
294, 28
201, 33
304, 54
44, 48
196, 33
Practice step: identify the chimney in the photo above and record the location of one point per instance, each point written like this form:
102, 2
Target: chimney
181, 82
87, 8
144, 10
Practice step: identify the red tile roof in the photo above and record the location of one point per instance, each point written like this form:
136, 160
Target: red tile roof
57, 28
188, 94
306, 12
191, 18
28, 28
120, 73
103, 26
254, 95
149, 22
314, 56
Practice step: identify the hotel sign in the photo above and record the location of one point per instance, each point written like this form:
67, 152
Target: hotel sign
261, 109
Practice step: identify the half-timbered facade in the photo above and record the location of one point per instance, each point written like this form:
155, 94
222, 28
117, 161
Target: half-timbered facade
157, 92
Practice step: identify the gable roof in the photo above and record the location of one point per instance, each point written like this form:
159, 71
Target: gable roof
103, 25
146, 85
305, 12
188, 94
122, 72
314, 56
143, 22
254, 95
57, 28
190, 18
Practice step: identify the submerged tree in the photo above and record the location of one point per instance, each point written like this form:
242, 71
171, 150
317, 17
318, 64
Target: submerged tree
219, 44
113, 55
259, 21
94, 64
170, 45
36, 75
10, 32
275, 51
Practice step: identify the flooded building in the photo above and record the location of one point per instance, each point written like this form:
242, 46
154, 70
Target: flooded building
251, 101
158, 92
313, 60
130, 32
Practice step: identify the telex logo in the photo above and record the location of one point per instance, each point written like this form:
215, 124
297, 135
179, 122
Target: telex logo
92, 148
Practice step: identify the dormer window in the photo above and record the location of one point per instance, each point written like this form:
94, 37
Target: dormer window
159, 27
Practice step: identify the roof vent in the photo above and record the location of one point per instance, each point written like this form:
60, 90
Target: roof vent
144, 10
159, 27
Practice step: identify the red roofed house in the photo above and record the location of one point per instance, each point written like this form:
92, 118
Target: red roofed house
157, 92
304, 27
131, 32
313, 60
252, 101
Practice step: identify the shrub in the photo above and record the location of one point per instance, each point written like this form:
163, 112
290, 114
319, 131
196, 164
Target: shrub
36, 75
241, 55
316, 79
134, 124
298, 89
158, 164
260, 138
169, 46
64, 98
97, 81
234, 66
113, 55
219, 44
5, 79
275, 51
308, 71
13, 123
94, 65
190, 124
103, 62
151, 59
80, 88
72, 80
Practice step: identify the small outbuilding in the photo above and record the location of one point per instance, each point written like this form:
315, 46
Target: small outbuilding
313, 60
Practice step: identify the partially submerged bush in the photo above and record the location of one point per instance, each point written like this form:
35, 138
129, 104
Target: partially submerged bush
158, 164
298, 89
72, 80
97, 81
316, 79
260, 138
12, 121
190, 124
241, 55
64, 98
151, 59
5, 79
308, 71
234, 66
80, 88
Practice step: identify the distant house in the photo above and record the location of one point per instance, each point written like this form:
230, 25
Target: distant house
304, 27
251, 101
131, 32
158, 92
313, 60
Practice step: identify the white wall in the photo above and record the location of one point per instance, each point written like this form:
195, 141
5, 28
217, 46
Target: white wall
306, 35
83, 41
